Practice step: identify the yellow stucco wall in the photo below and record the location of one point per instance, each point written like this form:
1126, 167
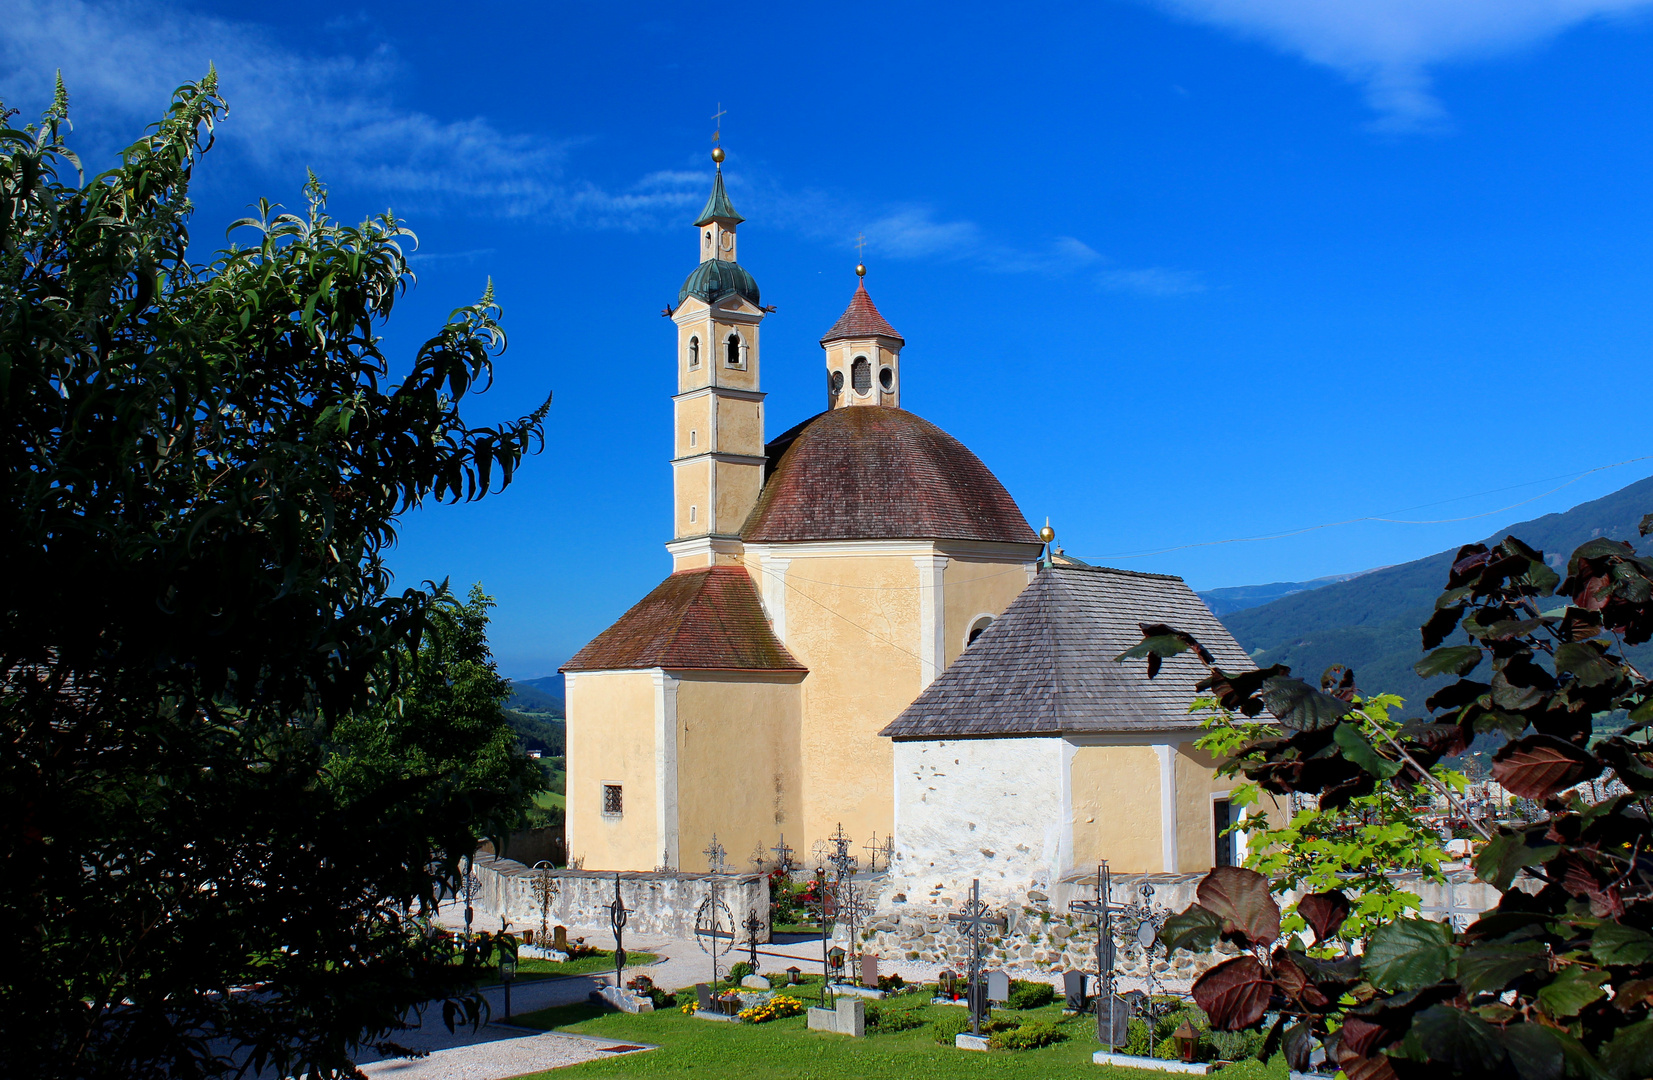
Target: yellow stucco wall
693, 414
740, 378
739, 427
853, 620
737, 752
1116, 808
691, 483
974, 588
1196, 781
611, 741
737, 493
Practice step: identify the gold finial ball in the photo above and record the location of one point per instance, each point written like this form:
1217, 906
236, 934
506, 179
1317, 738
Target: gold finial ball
717, 154
860, 269
1047, 534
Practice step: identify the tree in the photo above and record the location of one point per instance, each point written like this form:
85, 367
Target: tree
444, 734
1357, 846
201, 465
1557, 980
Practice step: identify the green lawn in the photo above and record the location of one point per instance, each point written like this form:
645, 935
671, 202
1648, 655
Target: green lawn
532, 967
545, 800
787, 1050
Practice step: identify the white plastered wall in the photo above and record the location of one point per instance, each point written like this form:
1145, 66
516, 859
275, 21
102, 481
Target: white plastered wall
991, 809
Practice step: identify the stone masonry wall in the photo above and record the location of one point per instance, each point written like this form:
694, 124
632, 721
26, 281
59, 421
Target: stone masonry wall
1041, 934
663, 904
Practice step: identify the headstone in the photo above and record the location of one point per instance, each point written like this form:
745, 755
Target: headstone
947, 982
559, 939
1118, 1019
755, 982
1073, 990
998, 985
869, 971
704, 995
852, 1017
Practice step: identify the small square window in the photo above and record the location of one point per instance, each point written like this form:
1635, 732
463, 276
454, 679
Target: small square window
611, 798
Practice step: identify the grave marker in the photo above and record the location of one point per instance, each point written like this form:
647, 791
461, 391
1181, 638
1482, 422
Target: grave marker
1073, 991
998, 985
869, 971
974, 918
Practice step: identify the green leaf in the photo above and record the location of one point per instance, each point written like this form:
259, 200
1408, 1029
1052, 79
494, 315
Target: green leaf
1196, 930
1489, 967
1571, 991
1628, 1055
1534, 1051
1587, 662
1409, 954
1500, 860
1358, 750
1457, 659
1300, 707
1454, 1040
1615, 943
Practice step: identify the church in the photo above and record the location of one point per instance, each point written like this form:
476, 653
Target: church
828, 649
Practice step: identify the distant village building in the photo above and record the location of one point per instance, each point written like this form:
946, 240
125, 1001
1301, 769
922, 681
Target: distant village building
826, 646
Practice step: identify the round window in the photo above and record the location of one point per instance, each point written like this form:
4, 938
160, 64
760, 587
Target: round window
886, 378
860, 375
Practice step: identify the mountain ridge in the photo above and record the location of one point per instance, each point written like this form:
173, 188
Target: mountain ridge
1371, 622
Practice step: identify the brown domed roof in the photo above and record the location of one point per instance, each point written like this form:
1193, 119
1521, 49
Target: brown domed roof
874, 473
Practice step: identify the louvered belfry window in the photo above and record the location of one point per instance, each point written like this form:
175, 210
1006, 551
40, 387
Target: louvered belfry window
860, 375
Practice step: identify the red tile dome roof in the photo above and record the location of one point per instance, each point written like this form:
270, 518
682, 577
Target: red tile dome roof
875, 473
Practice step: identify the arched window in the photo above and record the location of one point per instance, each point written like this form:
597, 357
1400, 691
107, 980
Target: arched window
836, 382
732, 351
694, 353
860, 375
976, 628
886, 378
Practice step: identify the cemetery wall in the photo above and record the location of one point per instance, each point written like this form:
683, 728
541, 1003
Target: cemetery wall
663, 904
1041, 934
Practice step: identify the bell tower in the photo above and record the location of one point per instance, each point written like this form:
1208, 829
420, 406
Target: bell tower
863, 354
717, 463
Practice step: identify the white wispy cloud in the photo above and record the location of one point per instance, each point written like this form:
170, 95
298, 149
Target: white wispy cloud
1389, 46
339, 113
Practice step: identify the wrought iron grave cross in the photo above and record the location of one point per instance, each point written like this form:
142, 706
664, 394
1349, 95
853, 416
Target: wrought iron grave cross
617, 915
545, 891
752, 925
1100, 909
974, 918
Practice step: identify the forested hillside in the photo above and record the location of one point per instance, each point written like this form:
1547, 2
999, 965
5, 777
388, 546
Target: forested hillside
1371, 622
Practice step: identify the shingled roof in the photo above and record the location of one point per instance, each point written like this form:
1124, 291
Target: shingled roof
861, 319
1046, 666
704, 619
876, 473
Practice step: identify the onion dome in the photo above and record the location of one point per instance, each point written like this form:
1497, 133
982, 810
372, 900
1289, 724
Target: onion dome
880, 474
861, 320
714, 279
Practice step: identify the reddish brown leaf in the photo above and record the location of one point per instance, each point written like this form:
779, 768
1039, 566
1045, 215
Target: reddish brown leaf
1241, 897
1234, 994
1540, 765
1361, 1037
1295, 981
1324, 912
1376, 1067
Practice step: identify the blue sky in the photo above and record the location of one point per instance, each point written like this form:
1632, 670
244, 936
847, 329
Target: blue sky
1178, 271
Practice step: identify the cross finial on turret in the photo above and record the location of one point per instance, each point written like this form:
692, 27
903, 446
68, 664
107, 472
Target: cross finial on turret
860, 252
717, 134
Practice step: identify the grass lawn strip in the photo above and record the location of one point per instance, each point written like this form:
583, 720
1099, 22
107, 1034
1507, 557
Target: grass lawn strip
531, 968
787, 1050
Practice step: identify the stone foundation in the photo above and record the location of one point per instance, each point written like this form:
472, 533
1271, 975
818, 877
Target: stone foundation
1041, 934
662, 905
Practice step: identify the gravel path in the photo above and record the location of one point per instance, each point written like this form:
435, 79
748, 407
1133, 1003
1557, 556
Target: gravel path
497, 1052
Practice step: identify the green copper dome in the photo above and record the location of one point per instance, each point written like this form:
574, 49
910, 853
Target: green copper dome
714, 279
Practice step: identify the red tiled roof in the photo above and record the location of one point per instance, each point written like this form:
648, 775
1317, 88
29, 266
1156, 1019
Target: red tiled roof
867, 472
861, 319
710, 618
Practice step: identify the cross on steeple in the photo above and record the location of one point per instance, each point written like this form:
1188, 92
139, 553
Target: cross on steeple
717, 118
860, 247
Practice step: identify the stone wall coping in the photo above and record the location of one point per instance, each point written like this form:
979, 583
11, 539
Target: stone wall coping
513, 868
